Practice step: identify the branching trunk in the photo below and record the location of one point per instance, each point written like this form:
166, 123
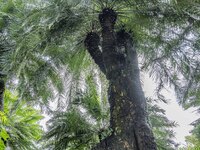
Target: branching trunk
125, 95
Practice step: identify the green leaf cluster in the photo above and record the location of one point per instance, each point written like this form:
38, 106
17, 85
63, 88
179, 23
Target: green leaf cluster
19, 124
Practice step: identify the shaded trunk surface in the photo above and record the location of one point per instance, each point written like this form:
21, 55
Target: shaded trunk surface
2, 88
128, 118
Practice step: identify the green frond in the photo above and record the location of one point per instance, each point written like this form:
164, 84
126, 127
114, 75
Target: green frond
162, 127
69, 131
21, 126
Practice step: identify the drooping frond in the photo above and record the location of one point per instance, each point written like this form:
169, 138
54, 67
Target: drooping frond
162, 127
41, 51
69, 130
167, 37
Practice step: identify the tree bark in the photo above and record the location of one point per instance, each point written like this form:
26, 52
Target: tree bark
128, 118
92, 43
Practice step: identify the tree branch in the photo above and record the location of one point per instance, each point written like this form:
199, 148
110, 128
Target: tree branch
92, 44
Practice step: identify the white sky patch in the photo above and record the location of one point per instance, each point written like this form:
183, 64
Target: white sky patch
174, 112
44, 121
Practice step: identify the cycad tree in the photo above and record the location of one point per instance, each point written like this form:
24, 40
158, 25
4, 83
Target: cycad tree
164, 33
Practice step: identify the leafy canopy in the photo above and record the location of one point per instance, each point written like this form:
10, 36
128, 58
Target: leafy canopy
49, 59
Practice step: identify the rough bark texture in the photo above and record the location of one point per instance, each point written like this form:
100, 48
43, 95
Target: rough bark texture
2, 88
92, 43
125, 95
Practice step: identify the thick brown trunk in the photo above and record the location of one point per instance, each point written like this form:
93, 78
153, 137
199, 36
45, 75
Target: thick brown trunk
128, 118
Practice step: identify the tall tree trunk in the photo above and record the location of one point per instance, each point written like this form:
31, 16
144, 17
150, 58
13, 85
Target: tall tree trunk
128, 118
2, 88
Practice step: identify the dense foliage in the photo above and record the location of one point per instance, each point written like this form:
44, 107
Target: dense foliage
42, 56
19, 124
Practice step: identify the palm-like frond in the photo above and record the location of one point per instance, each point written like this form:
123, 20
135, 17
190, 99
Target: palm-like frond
168, 41
22, 124
162, 127
41, 53
69, 130
85, 121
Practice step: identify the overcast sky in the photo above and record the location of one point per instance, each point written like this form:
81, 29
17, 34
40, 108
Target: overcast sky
173, 111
